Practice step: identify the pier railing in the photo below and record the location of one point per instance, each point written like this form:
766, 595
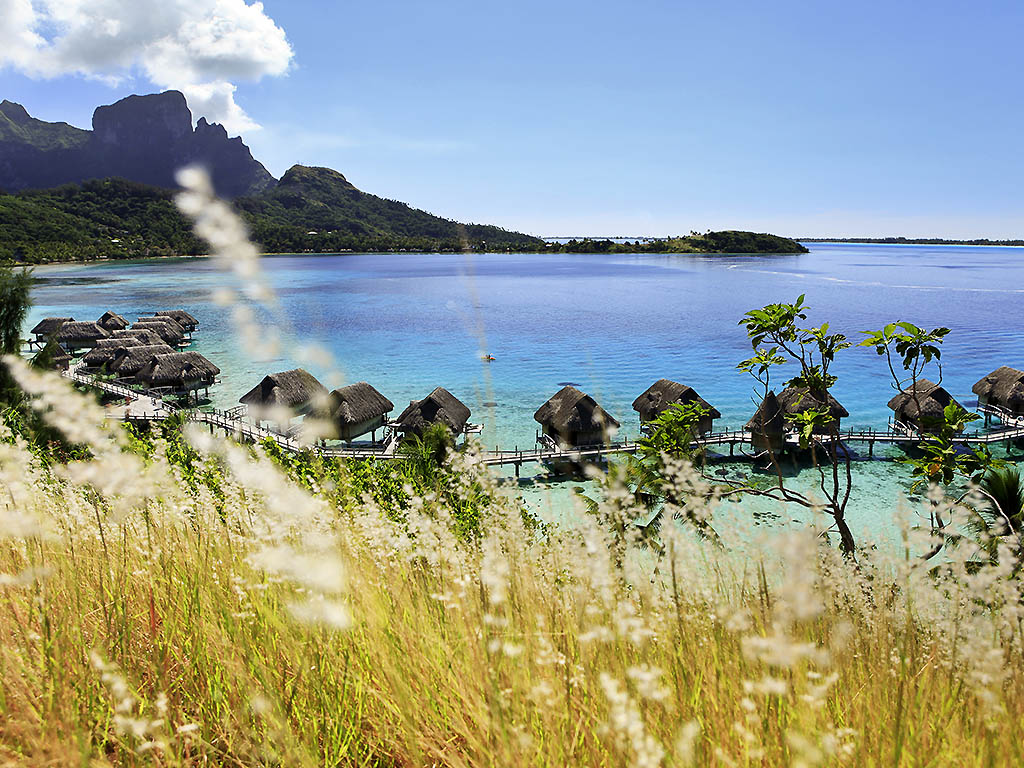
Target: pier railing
149, 406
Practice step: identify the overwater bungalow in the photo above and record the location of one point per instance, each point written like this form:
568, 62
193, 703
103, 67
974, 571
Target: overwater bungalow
128, 361
164, 327
573, 418
187, 321
1002, 391
664, 393
106, 349
80, 335
767, 427
178, 372
439, 407
112, 321
296, 391
797, 400
357, 409
921, 406
61, 360
144, 335
46, 327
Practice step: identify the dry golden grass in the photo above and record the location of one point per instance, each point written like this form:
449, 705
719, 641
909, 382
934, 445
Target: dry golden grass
165, 628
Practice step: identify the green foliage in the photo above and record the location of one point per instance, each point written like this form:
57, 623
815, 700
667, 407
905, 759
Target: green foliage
941, 461
673, 432
15, 300
1003, 488
108, 219
915, 346
731, 241
342, 217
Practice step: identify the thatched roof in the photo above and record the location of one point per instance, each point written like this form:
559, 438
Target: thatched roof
164, 327
106, 349
768, 418
60, 360
112, 321
76, 331
295, 389
49, 325
794, 400
143, 335
358, 403
571, 411
1003, 387
128, 361
665, 392
175, 369
931, 398
181, 317
439, 406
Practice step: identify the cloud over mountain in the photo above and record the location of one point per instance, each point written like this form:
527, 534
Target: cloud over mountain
200, 47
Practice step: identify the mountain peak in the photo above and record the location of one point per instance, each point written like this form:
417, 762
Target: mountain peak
155, 118
14, 111
305, 173
139, 138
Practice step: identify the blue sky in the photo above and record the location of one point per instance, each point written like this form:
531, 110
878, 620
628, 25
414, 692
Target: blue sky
640, 118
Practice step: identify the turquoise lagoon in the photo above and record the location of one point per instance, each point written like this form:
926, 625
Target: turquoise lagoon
610, 324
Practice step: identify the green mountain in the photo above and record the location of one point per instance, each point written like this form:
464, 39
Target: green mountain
106, 193
319, 209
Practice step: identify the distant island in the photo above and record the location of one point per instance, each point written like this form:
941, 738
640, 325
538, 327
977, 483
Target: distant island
68, 194
909, 241
727, 241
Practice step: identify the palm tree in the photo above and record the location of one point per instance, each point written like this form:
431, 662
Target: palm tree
1001, 514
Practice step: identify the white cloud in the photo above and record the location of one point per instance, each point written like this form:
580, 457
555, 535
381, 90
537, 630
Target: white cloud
200, 47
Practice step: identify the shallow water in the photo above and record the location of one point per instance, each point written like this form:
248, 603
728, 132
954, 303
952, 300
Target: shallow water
611, 324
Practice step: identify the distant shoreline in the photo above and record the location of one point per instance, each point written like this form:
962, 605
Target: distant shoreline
910, 241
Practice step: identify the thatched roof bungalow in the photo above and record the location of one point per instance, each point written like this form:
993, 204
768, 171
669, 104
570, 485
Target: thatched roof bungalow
80, 335
61, 360
112, 322
922, 405
179, 372
440, 406
164, 327
128, 361
106, 349
48, 326
664, 393
143, 335
1003, 388
296, 390
767, 427
187, 321
797, 400
357, 409
574, 418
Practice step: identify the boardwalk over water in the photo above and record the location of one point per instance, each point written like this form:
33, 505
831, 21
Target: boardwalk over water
150, 407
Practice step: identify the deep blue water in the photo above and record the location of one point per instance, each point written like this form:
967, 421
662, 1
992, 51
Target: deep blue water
609, 324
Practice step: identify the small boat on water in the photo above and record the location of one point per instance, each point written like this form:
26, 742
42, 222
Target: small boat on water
488, 358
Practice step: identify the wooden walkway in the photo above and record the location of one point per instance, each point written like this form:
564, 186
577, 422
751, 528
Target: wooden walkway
150, 406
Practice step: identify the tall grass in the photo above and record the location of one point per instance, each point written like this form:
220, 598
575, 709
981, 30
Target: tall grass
142, 624
157, 611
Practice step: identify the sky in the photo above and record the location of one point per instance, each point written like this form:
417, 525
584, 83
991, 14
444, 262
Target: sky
559, 118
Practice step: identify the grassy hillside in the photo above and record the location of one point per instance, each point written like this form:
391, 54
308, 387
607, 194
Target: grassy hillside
16, 125
108, 219
323, 201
